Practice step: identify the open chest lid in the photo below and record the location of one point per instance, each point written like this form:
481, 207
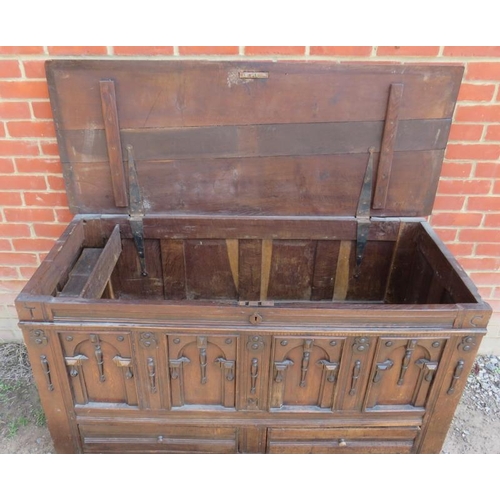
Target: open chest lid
251, 138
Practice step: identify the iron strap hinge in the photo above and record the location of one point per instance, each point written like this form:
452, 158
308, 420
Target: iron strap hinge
363, 212
136, 210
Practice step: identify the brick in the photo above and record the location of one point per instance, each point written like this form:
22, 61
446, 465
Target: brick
23, 182
284, 51
479, 235
56, 183
42, 110
14, 230
34, 69
50, 148
18, 259
29, 214
6, 166
483, 71
191, 50
496, 293
463, 249
407, 51
77, 51
485, 291
451, 169
475, 92
449, 202
5, 246
46, 199
11, 199
462, 132
446, 234
31, 129
456, 219
2, 130
473, 151
493, 133
18, 148
21, 50
492, 220
488, 170
495, 304
471, 51
485, 278
11, 286
14, 110
480, 113
480, 264
38, 165
27, 272
33, 244
340, 51
496, 187
63, 215
143, 51
447, 186
9, 69
24, 89
49, 230
488, 249
483, 203
8, 272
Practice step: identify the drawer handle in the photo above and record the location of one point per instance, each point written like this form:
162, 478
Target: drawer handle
456, 376
406, 360
355, 376
330, 368
279, 368
152, 374
46, 372
342, 443
254, 373
228, 367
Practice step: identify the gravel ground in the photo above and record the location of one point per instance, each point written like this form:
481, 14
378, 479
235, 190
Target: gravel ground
475, 427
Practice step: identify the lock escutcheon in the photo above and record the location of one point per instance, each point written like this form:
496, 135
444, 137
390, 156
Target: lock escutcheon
255, 318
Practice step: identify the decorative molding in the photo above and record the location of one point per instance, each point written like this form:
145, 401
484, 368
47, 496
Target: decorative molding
38, 337
201, 343
147, 340
73, 362
152, 374
406, 360
126, 364
467, 344
456, 376
175, 365
255, 344
227, 366
330, 368
254, 373
355, 377
361, 344
279, 368
307, 348
46, 372
381, 368
100, 362
430, 368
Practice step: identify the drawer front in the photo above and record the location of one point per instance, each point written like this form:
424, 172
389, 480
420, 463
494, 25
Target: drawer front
157, 438
349, 440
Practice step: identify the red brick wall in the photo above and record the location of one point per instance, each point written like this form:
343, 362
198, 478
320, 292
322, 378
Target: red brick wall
33, 206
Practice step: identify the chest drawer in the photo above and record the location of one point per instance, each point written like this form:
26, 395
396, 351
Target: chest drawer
144, 438
349, 440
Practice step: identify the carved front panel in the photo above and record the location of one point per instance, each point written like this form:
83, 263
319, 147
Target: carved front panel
202, 370
99, 367
403, 372
305, 372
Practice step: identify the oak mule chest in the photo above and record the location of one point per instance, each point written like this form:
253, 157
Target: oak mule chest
248, 269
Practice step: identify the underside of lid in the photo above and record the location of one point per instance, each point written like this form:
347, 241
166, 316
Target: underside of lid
251, 138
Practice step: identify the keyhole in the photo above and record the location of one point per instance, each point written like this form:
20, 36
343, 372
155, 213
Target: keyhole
255, 318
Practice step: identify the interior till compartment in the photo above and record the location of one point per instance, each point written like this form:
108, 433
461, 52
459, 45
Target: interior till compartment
399, 267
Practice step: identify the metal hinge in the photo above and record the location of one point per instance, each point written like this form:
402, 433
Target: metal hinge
363, 212
256, 303
136, 210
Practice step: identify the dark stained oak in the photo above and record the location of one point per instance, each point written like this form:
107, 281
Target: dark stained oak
250, 328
